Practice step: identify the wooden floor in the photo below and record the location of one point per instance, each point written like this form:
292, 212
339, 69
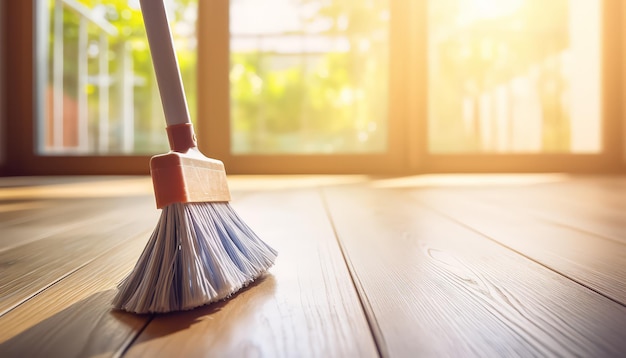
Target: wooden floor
475, 265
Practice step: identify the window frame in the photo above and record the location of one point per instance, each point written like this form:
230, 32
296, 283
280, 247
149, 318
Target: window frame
214, 111
409, 103
609, 160
22, 108
406, 154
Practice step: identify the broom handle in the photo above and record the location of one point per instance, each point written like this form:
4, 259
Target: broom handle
165, 63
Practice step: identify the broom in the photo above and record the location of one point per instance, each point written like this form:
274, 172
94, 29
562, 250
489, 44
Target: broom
200, 250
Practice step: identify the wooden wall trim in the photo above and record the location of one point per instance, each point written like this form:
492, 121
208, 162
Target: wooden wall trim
20, 82
3, 115
611, 83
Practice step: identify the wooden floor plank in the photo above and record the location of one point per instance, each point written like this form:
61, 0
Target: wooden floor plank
587, 259
306, 306
432, 287
30, 268
74, 318
597, 208
28, 221
35, 208
429, 284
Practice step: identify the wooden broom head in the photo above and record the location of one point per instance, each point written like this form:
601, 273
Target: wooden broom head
185, 175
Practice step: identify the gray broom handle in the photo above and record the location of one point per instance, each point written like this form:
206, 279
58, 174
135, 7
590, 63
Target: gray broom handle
165, 63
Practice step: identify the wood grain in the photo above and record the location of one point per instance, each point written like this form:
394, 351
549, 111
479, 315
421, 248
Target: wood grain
432, 270
434, 288
584, 258
27, 221
30, 268
306, 306
73, 318
594, 205
35, 208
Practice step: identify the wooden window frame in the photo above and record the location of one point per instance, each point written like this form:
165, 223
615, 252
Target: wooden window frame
214, 110
408, 103
406, 154
23, 109
609, 160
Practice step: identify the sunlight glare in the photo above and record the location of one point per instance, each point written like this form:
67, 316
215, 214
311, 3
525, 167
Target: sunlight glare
476, 10
468, 180
269, 16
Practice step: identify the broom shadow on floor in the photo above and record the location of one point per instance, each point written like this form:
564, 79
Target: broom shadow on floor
235, 310
91, 327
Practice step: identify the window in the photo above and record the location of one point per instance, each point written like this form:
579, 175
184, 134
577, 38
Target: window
514, 76
336, 86
309, 87
97, 82
473, 85
308, 77
521, 85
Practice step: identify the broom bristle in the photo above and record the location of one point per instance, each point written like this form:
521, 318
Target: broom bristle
199, 253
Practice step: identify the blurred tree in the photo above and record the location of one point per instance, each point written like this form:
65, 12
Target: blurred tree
333, 101
128, 21
475, 52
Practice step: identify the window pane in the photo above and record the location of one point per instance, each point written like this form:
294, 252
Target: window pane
97, 81
308, 76
514, 76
